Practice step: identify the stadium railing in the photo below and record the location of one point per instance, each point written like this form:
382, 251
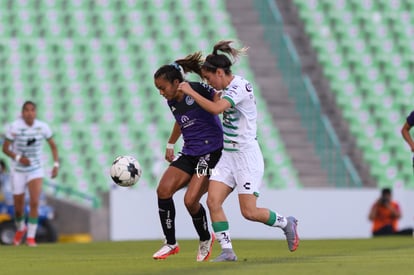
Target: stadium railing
341, 171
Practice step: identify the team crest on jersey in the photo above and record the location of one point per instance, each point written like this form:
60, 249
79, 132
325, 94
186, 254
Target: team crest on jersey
249, 87
189, 100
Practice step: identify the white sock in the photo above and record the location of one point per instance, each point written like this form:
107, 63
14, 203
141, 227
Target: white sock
224, 239
20, 225
280, 221
31, 230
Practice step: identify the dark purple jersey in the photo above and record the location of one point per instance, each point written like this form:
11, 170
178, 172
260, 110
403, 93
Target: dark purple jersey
201, 130
410, 119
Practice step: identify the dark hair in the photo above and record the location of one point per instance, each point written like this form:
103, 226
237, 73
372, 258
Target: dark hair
386, 191
215, 60
176, 70
28, 102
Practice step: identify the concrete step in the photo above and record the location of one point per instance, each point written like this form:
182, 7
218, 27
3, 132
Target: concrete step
315, 181
268, 78
295, 28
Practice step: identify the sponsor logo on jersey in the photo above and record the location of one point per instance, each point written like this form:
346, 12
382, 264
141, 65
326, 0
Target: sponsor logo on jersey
231, 93
249, 87
31, 141
185, 119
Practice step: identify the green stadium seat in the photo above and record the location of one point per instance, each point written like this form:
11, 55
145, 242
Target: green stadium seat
369, 72
89, 66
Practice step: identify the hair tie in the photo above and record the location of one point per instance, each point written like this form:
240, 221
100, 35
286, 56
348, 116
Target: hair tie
179, 68
209, 65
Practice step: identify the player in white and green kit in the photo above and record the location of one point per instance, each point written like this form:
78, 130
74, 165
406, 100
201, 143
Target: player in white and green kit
23, 144
241, 165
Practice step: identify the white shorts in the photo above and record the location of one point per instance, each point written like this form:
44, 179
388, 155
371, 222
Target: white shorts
241, 170
19, 180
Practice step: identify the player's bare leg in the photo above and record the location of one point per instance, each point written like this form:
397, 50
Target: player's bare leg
217, 193
35, 190
250, 211
19, 218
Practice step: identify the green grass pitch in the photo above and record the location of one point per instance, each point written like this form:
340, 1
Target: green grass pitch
392, 255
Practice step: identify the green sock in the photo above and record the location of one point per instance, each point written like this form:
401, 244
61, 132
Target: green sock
220, 226
272, 218
20, 224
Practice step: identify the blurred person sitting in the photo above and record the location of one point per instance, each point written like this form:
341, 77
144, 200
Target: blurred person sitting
385, 214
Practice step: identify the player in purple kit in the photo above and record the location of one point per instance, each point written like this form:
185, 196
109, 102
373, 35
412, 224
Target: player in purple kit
203, 141
405, 131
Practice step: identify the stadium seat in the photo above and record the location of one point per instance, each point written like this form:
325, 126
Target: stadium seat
369, 72
89, 65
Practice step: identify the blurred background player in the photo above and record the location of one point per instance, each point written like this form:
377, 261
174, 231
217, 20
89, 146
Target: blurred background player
241, 166
384, 214
203, 142
405, 131
23, 144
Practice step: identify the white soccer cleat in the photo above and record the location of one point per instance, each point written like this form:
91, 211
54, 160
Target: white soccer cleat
204, 249
165, 251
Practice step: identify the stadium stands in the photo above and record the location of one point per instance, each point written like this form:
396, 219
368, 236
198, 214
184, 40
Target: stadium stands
89, 64
365, 49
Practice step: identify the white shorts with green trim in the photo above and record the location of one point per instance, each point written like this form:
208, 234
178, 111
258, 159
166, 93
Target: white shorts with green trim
19, 180
241, 170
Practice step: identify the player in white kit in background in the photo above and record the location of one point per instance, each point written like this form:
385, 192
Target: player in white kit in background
23, 144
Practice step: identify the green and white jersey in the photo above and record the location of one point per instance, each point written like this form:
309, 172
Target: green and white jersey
239, 121
28, 141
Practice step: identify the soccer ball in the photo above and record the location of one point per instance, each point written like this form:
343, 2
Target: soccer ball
125, 171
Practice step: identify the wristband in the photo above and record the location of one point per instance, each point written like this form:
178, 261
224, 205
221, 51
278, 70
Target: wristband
17, 158
170, 145
56, 164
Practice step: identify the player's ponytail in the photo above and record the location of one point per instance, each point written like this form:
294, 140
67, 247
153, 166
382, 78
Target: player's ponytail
224, 61
180, 67
191, 63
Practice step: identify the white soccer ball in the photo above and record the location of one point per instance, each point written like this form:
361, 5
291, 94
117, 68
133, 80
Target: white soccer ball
125, 171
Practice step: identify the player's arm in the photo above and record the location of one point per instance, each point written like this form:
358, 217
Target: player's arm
217, 96
18, 158
55, 156
6, 149
175, 134
405, 132
212, 107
